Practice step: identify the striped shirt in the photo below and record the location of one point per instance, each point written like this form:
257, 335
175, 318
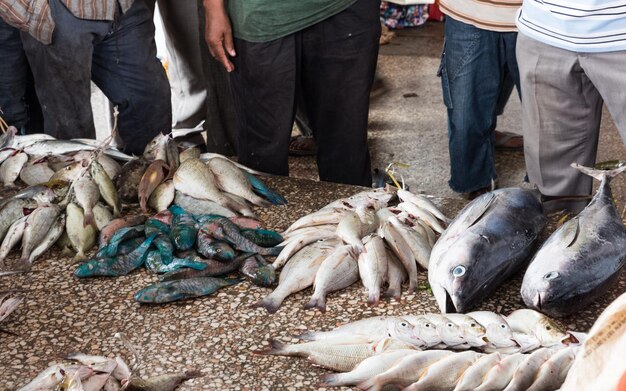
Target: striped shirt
576, 25
493, 15
34, 16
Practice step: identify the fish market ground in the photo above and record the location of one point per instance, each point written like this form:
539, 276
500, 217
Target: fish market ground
217, 334
214, 334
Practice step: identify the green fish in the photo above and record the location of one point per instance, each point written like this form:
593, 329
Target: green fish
166, 248
262, 237
155, 264
165, 292
154, 225
226, 230
128, 246
258, 271
213, 249
120, 235
184, 231
214, 268
115, 266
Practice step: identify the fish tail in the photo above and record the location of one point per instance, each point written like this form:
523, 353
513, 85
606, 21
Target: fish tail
88, 219
261, 188
270, 302
330, 380
276, 348
317, 302
192, 374
273, 251
369, 384
307, 336
374, 298
599, 174
396, 293
232, 281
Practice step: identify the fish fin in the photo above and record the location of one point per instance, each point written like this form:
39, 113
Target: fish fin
307, 336
573, 232
276, 348
261, 188
233, 281
192, 374
269, 302
374, 298
329, 380
317, 302
599, 174
395, 293
143, 200
369, 384
88, 219
274, 251
480, 207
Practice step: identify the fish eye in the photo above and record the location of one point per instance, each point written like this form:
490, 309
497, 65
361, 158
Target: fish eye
472, 324
551, 276
503, 326
548, 328
449, 325
427, 325
403, 324
459, 271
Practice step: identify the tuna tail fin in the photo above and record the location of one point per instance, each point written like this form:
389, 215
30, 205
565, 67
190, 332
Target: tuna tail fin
317, 302
599, 174
276, 348
261, 188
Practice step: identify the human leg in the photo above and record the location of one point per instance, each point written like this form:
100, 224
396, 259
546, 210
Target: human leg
339, 58
264, 90
13, 77
561, 111
62, 72
126, 69
471, 75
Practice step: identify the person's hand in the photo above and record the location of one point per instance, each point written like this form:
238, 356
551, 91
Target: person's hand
218, 33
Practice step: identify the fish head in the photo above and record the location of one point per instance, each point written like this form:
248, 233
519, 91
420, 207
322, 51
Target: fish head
403, 330
450, 332
500, 335
148, 294
427, 332
473, 332
453, 280
549, 333
86, 269
156, 147
222, 251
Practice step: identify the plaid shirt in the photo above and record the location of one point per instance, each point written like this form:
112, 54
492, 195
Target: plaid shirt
34, 16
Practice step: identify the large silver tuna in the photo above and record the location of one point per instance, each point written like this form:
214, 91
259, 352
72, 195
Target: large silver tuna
489, 240
581, 258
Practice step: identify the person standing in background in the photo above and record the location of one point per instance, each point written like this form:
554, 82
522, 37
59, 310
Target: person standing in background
111, 43
318, 55
572, 58
477, 65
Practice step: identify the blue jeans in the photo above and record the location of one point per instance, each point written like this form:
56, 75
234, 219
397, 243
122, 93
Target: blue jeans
119, 56
475, 65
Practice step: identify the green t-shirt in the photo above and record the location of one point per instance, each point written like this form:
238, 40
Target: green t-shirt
266, 20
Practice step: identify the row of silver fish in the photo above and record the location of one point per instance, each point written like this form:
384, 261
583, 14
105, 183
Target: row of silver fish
382, 351
357, 238
494, 236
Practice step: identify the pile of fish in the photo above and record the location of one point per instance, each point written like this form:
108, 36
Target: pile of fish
93, 373
359, 237
494, 236
76, 189
188, 251
9, 301
525, 350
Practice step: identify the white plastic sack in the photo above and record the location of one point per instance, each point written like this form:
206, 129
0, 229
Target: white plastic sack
601, 362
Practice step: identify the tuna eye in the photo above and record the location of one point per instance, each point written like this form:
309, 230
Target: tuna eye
551, 276
459, 271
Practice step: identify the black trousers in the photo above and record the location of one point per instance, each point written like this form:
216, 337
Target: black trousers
327, 70
119, 56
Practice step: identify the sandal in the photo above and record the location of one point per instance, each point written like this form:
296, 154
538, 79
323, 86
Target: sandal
302, 146
507, 141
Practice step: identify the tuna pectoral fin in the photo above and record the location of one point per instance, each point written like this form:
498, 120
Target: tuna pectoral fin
276, 348
480, 207
446, 305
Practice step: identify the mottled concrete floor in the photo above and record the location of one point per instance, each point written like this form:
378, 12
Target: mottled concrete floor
217, 334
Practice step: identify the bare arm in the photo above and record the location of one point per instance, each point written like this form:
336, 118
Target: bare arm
218, 33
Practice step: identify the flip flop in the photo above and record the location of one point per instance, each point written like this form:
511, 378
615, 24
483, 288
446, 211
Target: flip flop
507, 141
302, 146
